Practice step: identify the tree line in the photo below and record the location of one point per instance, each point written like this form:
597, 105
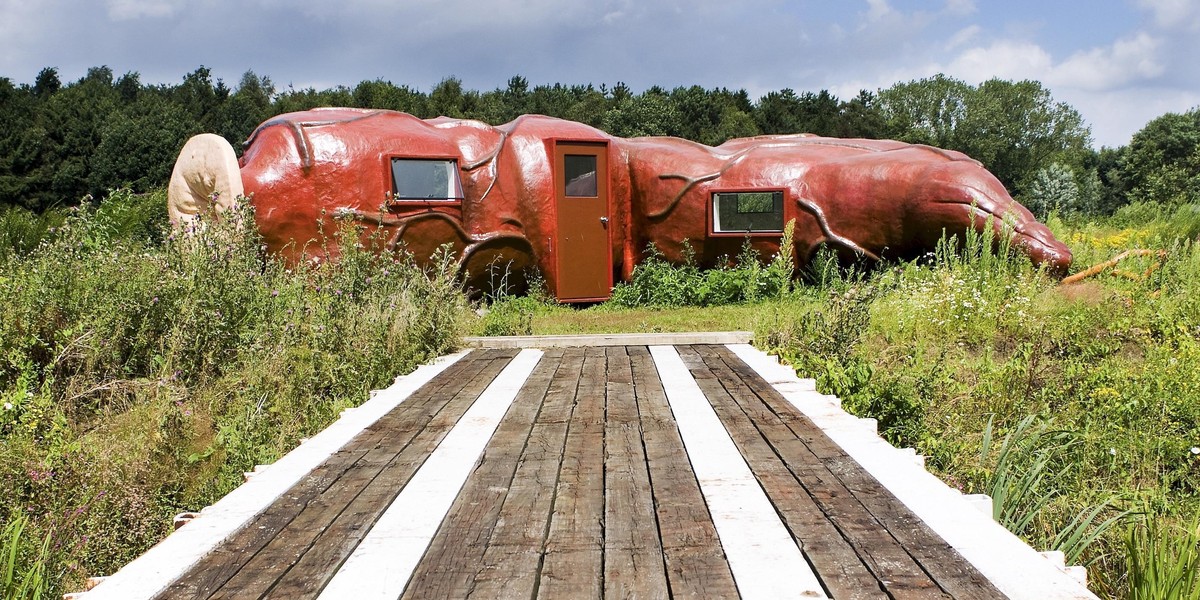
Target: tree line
60, 142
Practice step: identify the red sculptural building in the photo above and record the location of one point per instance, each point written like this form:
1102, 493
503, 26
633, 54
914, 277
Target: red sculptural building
581, 206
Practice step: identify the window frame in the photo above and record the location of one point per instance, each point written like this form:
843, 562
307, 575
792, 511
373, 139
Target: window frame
393, 201
771, 233
595, 180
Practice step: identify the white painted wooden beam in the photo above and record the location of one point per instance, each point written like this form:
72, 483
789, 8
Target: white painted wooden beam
153, 571
1012, 566
764, 559
383, 562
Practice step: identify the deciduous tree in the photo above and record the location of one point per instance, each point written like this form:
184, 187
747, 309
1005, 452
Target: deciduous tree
1162, 161
1014, 128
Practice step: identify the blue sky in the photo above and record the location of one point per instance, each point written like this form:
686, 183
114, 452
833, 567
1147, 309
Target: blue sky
1119, 62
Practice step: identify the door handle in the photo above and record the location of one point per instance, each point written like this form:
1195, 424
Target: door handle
604, 220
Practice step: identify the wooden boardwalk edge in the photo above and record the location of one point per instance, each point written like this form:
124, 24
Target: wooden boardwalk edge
636, 465
611, 339
161, 565
1010, 564
765, 561
384, 560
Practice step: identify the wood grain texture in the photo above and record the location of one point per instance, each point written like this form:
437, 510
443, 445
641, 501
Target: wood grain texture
232, 556
574, 553
837, 478
841, 571
449, 566
633, 555
511, 564
694, 561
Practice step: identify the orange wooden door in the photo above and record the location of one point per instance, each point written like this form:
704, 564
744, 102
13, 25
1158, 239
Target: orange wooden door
583, 246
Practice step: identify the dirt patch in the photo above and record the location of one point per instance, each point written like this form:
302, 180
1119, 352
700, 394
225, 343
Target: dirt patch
1084, 292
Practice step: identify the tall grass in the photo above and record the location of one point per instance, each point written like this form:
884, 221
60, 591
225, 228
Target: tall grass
1163, 560
1092, 387
22, 230
142, 372
22, 577
1023, 467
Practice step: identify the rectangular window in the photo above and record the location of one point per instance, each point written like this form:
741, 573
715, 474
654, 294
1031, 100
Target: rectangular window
425, 179
739, 212
580, 175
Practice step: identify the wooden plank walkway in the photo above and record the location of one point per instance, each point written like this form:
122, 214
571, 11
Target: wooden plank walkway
586, 472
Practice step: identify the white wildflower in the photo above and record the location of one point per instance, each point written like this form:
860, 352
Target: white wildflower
1195, 449
9, 406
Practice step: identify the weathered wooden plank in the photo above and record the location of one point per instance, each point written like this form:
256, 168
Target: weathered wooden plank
383, 563
511, 565
571, 573
232, 555
945, 566
837, 564
764, 559
694, 561
448, 568
572, 566
494, 581
560, 398
342, 514
633, 556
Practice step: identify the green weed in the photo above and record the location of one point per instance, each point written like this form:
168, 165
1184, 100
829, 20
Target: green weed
1024, 469
1063, 402
22, 569
142, 371
1162, 560
656, 282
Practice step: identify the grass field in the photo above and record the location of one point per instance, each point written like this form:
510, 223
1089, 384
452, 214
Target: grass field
141, 374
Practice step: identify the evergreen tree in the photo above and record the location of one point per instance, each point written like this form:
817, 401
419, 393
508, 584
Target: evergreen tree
238, 115
1053, 191
47, 82
139, 145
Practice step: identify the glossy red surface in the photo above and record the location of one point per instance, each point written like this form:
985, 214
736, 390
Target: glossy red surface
875, 198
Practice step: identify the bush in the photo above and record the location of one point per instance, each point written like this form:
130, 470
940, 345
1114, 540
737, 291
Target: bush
22, 230
656, 282
141, 372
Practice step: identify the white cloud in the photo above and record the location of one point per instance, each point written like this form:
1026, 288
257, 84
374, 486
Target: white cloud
1124, 62
1127, 60
124, 10
883, 79
1116, 115
960, 7
877, 10
613, 17
963, 36
1174, 14
1006, 59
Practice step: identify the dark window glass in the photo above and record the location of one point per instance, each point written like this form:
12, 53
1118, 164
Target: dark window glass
422, 179
580, 175
747, 211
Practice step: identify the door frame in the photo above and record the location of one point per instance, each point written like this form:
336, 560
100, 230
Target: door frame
600, 148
